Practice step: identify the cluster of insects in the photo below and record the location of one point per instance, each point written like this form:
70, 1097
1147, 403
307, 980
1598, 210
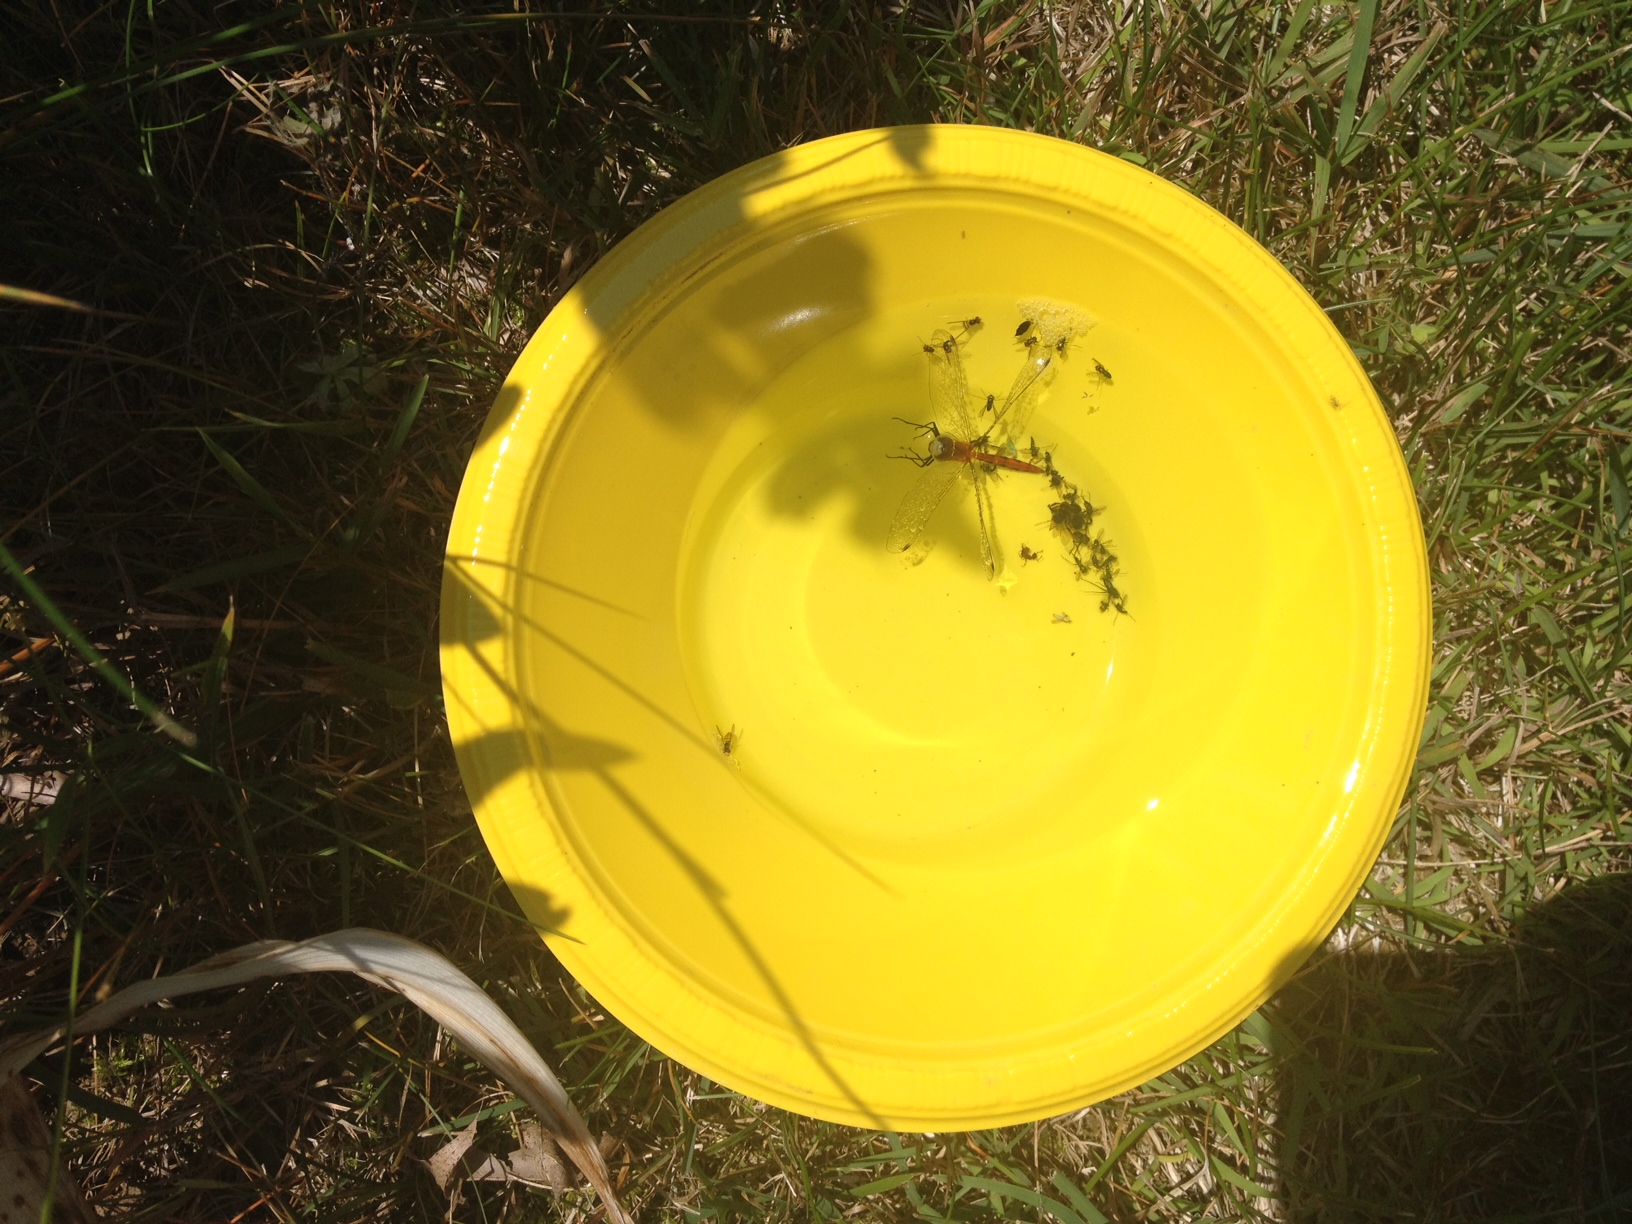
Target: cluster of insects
969, 441
1029, 335
1071, 518
966, 441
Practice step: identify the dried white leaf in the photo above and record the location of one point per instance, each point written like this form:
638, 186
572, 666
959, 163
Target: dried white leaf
38, 790
25, 1164
446, 1160
423, 976
536, 1161
488, 1168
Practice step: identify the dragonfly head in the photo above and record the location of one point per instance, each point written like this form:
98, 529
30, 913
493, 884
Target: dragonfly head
942, 446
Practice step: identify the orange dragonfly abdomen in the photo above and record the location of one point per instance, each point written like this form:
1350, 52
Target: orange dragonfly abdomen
944, 448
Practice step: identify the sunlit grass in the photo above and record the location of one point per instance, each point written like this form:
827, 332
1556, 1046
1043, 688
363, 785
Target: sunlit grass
309, 241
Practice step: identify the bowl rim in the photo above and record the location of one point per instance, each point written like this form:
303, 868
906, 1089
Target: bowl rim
477, 655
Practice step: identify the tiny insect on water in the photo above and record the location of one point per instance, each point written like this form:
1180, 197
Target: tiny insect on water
1026, 554
1102, 371
727, 741
1062, 618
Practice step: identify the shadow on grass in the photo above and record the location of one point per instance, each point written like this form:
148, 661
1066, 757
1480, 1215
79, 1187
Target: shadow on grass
1485, 1083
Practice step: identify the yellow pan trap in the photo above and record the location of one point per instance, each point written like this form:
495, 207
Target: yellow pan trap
930, 833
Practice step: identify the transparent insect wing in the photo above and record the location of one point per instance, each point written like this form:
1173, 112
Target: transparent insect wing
931, 488
1028, 385
990, 553
949, 386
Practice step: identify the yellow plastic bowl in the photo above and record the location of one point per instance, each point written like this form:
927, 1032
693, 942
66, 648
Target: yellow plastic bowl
967, 862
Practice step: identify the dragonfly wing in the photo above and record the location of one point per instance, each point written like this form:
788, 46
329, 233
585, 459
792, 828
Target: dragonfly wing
990, 551
949, 386
1028, 386
920, 503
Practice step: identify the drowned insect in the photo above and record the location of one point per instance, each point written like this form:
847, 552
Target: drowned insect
1027, 555
727, 741
1062, 618
1104, 374
1071, 517
1111, 597
964, 454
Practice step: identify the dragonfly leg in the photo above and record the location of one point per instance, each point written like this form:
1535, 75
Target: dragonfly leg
929, 428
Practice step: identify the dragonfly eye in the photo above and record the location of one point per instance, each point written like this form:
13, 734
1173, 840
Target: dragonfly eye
941, 447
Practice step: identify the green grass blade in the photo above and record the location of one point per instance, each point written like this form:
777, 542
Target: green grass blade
83, 647
240, 567
241, 477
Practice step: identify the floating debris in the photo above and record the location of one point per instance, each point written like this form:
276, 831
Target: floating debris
1051, 324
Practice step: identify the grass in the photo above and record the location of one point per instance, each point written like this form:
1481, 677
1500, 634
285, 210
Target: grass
294, 249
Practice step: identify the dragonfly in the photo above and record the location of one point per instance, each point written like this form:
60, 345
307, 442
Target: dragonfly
964, 446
